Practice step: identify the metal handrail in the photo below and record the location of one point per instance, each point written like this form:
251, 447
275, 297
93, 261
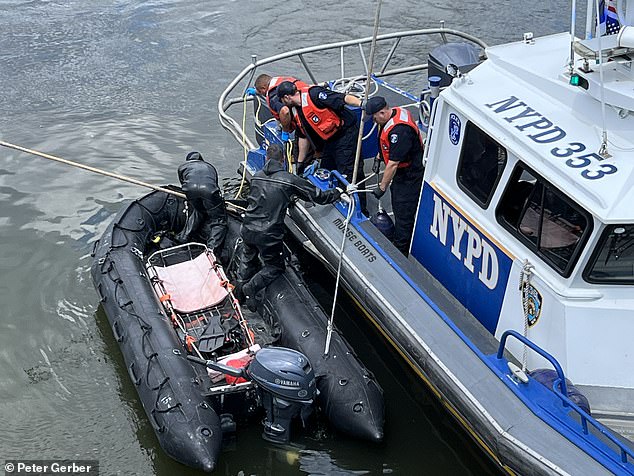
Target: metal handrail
536, 348
560, 389
224, 103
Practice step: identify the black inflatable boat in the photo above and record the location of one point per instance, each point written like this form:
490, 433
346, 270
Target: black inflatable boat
171, 308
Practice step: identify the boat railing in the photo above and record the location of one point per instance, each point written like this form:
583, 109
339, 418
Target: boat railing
392, 40
560, 389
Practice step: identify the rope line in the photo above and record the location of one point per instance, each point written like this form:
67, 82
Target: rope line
90, 169
331, 319
353, 187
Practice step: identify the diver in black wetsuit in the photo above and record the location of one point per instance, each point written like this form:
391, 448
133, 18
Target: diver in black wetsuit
207, 217
262, 232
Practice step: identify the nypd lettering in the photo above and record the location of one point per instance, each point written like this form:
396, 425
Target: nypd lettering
468, 245
360, 245
542, 130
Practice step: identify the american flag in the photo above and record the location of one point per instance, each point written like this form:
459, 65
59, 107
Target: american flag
608, 18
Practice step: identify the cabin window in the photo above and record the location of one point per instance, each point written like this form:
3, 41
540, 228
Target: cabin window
544, 219
613, 260
481, 164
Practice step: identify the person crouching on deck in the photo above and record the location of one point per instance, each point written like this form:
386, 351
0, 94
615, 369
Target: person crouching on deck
262, 232
266, 86
401, 149
207, 217
323, 121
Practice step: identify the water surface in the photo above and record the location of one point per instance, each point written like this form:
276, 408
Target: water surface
131, 87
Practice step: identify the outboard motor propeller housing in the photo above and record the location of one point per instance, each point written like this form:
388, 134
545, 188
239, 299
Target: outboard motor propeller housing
286, 382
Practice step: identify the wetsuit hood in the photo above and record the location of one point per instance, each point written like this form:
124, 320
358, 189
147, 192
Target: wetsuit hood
194, 156
271, 167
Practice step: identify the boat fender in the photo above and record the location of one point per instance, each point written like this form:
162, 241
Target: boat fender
547, 378
384, 223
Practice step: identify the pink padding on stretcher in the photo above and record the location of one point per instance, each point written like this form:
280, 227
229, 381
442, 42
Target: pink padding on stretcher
192, 285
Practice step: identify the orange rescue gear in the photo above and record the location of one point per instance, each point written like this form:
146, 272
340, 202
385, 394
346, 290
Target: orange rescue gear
325, 122
402, 116
274, 83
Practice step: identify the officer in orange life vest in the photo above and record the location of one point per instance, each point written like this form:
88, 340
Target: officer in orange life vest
266, 86
324, 122
401, 149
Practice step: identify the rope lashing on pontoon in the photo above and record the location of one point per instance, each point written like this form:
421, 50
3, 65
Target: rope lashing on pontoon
91, 169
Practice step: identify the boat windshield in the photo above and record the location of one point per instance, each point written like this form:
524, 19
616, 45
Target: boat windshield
613, 260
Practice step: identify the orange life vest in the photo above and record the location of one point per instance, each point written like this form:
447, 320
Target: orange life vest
325, 122
402, 116
275, 82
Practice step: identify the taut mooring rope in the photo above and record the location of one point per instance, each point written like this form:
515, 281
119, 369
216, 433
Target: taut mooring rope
91, 169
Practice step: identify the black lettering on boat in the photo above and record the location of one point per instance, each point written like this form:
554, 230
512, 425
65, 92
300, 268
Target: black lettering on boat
506, 104
364, 250
542, 130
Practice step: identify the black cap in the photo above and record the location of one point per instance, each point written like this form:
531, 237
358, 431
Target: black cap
374, 105
194, 156
285, 88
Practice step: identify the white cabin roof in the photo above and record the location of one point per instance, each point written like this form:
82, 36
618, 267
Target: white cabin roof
536, 75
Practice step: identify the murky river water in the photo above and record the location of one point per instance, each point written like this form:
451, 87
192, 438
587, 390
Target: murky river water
131, 87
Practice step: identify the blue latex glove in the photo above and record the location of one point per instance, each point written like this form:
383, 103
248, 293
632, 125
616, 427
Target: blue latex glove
284, 136
250, 92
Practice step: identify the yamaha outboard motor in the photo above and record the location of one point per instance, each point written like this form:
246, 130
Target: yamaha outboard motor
286, 382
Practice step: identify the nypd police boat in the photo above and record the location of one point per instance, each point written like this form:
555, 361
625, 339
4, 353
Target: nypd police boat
515, 303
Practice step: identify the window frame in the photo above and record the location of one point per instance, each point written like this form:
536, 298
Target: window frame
607, 230
461, 186
583, 239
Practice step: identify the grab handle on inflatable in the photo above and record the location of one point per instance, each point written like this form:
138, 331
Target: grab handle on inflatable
102, 296
115, 332
154, 422
136, 380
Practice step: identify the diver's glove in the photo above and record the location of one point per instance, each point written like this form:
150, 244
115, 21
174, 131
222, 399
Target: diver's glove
333, 195
250, 92
378, 193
